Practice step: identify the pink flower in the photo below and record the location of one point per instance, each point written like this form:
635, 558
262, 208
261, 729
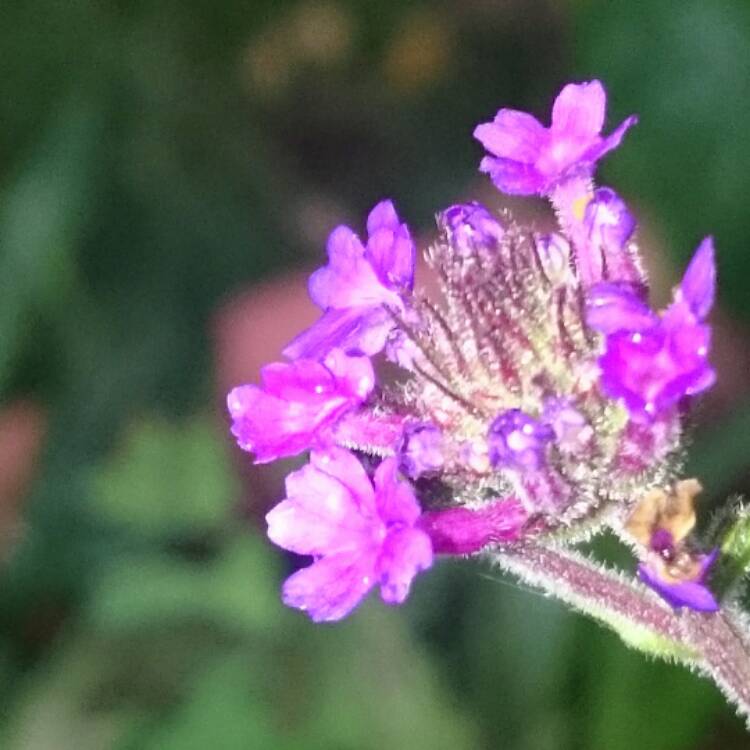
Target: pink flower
527, 158
361, 533
298, 404
653, 361
358, 287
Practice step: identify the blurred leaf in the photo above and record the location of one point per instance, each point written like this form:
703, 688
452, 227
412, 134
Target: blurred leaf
41, 216
638, 703
366, 684
223, 711
168, 479
238, 591
720, 451
52, 713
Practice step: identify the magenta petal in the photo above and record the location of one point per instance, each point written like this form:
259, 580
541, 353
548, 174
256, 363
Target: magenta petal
614, 307
271, 427
390, 248
349, 280
382, 216
691, 594
612, 141
331, 587
404, 553
393, 257
579, 109
698, 285
395, 498
320, 515
303, 380
513, 135
345, 467
354, 374
356, 330
513, 177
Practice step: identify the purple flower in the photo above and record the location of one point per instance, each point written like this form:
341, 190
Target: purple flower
518, 441
360, 532
692, 592
297, 404
527, 158
462, 531
553, 252
421, 450
604, 253
358, 287
471, 229
652, 361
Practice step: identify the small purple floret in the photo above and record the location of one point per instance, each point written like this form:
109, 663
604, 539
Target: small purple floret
422, 450
527, 158
653, 361
361, 533
693, 594
297, 404
604, 254
553, 251
518, 441
358, 287
471, 229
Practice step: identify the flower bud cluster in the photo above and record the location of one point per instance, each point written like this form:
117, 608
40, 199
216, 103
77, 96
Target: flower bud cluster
540, 396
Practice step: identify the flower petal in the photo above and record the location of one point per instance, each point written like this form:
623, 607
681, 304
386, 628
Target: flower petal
395, 498
349, 279
616, 307
331, 587
319, 517
346, 468
513, 177
405, 552
513, 135
356, 330
698, 285
271, 427
692, 594
578, 111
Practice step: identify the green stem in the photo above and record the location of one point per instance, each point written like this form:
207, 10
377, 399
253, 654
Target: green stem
716, 644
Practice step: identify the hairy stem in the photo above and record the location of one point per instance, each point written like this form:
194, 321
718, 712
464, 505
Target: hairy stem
716, 644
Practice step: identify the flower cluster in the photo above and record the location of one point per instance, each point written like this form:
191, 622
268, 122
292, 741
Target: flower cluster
541, 397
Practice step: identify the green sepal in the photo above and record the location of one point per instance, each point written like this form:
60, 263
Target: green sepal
731, 534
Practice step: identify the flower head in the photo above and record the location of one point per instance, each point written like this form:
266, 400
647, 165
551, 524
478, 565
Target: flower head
653, 361
533, 400
527, 158
297, 404
361, 533
358, 287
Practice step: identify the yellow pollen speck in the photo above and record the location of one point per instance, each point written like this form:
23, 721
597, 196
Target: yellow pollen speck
579, 206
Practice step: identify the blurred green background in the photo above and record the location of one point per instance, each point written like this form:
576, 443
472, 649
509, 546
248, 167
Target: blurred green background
160, 160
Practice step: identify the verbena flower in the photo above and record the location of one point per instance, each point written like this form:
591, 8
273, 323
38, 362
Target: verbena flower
538, 396
527, 158
361, 533
359, 286
653, 361
297, 404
